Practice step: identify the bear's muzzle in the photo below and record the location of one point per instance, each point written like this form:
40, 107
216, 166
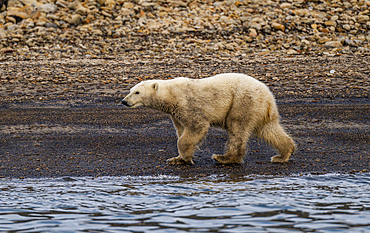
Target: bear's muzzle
124, 102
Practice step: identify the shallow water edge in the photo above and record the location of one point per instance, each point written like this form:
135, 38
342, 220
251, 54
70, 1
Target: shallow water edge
320, 203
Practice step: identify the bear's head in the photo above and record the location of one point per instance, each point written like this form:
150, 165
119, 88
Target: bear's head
140, 95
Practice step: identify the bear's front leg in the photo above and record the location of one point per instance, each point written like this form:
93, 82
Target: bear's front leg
187, 144
178, 126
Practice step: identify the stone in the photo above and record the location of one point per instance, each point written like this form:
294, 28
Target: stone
278, 26
110, 3
292, 52
73, 5
248, 39
2, 34
363, 18
127, 12
252, 32
61, 3
306, 42
257, 23
285, 5
330, 23
47, 8
226, 20
348, 42
346, 27
333, 44
17, 13
128, 5
81, 10
76, 19
51, 25
286, 45
293, 27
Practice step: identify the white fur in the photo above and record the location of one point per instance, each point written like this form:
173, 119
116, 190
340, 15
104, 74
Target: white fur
236, 102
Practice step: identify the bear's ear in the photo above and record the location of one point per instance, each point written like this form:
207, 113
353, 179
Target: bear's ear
155, 86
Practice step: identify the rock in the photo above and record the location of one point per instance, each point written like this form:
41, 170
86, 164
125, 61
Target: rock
333, 44
47, 8
252, 32
230, 46
289, 27
346, 42
362, 50
334, 18
286, 45
128, 5
330, 23
306, 42
35, 14
2, 34
110, 3
17, 14
248, 39
61, 3
346, 27
226, 20
51, 25
73, 5
101, 2
292, 52
81, 10
278, 26
324, 30
127, 12
363, 18
76, 19
285, 5
257, 23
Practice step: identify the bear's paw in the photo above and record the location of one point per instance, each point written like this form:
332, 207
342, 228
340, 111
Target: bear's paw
224, 159
279, 159
178, 161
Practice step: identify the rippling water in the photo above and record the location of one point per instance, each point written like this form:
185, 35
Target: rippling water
172, 204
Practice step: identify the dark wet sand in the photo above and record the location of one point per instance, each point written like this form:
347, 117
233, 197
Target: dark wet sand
110, 140
61, 117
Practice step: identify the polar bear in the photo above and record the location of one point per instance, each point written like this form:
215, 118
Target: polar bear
238, 103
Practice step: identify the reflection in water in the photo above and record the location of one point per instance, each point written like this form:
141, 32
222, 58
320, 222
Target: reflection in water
173, 204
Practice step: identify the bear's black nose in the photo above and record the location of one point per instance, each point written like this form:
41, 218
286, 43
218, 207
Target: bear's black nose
124, 102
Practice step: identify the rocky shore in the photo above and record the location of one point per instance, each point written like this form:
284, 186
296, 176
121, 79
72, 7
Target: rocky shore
49, 29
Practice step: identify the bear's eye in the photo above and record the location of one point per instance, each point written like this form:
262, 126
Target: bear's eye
137, 93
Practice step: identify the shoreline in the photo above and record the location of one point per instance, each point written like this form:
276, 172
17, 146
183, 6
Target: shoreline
63, 119
40, 142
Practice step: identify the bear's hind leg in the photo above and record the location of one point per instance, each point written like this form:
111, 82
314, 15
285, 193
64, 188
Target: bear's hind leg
236, 145
187, 145
274, 134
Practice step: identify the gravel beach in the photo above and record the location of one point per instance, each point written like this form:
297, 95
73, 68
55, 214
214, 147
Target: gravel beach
45, 29
66, 65
76, 127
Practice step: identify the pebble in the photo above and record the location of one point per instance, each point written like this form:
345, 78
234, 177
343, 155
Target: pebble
2, 34
278, 26
115, 27
333, 44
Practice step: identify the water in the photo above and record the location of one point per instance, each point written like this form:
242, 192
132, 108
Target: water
328, 203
